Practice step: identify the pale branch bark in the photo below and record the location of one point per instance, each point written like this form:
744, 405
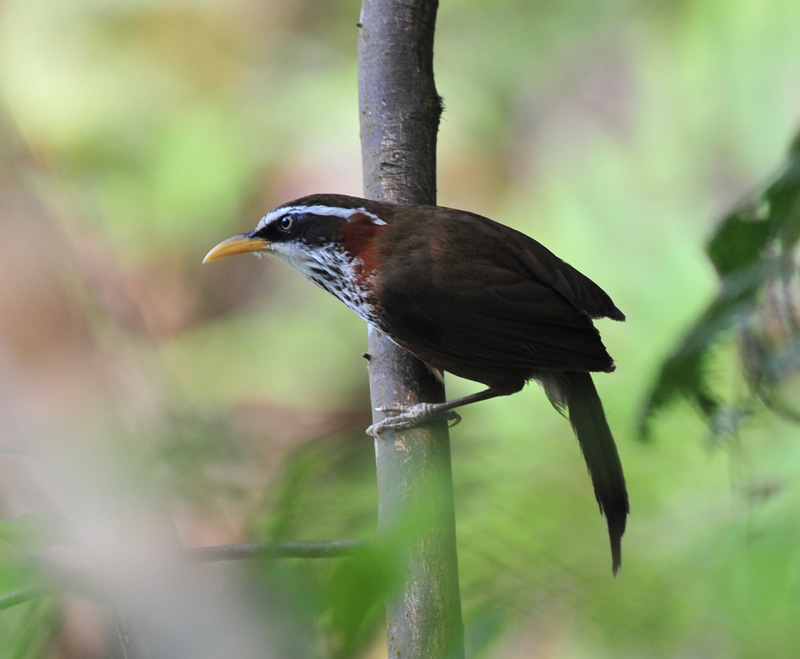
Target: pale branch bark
400, 111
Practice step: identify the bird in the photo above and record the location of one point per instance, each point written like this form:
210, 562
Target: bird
466, 295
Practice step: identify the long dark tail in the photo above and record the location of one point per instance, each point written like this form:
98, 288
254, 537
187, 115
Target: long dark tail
594, 436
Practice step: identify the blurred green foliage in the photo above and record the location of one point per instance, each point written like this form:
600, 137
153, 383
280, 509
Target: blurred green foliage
144, 396
754, 254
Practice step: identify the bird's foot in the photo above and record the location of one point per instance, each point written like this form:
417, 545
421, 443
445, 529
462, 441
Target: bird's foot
408, 416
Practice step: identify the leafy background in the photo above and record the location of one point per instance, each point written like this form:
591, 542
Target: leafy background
147, 400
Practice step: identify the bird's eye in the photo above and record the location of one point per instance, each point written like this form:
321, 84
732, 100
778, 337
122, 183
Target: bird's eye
286, 223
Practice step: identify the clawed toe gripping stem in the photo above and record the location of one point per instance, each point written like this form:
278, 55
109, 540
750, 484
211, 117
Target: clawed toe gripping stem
408, 416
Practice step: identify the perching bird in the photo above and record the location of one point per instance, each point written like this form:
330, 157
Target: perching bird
466, 295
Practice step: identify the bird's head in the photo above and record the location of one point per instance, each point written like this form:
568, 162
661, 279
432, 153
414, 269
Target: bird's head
326, 238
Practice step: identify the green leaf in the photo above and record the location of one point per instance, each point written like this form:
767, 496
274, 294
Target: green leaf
23, 595
33, 533
753, 253
740, 239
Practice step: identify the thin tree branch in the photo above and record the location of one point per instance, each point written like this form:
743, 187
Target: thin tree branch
400, 110
323, 549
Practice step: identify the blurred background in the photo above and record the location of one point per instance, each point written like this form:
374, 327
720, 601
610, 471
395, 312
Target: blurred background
149, 402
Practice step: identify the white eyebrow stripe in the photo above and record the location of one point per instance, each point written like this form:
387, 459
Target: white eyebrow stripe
344, 213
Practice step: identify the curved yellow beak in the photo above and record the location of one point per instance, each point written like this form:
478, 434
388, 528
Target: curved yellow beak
241, 244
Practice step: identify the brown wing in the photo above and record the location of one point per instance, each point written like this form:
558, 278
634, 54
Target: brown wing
502, 310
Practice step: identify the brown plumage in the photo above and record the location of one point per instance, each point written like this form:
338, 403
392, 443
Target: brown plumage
466, 295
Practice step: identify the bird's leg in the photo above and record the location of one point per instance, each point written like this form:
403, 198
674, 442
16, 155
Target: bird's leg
407, 416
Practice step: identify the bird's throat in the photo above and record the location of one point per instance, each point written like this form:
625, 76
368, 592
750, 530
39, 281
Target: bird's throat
347, 277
